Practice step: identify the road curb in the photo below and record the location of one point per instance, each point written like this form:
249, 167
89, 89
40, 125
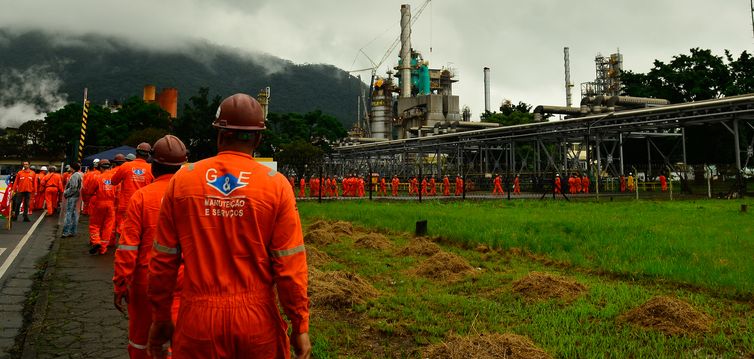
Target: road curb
32, 330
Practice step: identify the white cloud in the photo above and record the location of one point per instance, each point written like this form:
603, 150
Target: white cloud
28, 95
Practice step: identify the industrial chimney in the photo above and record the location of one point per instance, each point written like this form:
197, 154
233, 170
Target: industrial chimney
487, 89
405, 50
568, 84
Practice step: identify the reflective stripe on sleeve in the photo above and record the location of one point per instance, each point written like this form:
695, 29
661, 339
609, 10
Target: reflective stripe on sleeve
164, 249
288, 252
124, 247
137, 346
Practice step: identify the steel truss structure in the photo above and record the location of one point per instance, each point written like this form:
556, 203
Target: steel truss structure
592, 144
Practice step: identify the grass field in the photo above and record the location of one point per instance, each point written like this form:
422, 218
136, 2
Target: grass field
624, 252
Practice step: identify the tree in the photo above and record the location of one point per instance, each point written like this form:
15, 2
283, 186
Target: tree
510, 114
315, 127
194, 126
301, 156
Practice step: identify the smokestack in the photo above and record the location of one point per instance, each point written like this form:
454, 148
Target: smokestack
263, 97
568, 85
405, 50
168, 101
487, 89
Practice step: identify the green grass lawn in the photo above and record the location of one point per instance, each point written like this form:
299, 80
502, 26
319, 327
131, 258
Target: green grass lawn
703, 244
625, 253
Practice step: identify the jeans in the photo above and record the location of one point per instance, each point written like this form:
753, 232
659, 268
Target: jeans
17, 199
71, 216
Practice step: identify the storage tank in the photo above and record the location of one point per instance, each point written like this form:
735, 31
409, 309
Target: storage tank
168, 101
381, 117
149, 93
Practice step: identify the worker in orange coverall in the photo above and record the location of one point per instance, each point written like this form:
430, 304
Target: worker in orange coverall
516, 185
424, 187
135, 245
413, 186
622, 183
131, 176
585, 184
39, 197
445, 186
102, 215
334, 187
24, 188
432, 186
53, 187
394, 184
663, 183
459, 186
498, 182
383, 186
235, 226
360, 183
557, 186
302, 188
86, 200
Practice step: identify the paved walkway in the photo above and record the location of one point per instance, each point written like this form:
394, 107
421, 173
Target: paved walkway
75, 317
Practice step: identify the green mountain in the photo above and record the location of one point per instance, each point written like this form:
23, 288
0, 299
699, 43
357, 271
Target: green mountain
114, 69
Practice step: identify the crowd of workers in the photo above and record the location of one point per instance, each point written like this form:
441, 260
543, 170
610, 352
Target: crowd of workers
205, 251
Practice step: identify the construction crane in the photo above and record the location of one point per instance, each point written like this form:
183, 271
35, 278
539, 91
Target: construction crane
384, 58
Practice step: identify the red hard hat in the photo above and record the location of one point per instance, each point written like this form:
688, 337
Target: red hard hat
119, 158
240, 112
143, 148
170, 151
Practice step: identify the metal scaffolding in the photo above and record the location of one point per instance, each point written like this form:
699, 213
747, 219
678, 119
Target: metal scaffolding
588, 145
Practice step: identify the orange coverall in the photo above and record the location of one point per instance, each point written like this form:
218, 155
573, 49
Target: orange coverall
622, 183
459, 186
394, 184
557, 184
53, 186
130, 176
39, 197
413, 186
236, 225
432, 187
360, 183
132, 262
26, 181
302, 188
87, 199
585, 184
498, 186
445, 186
424, 187
516, 185
102, 215
664, 183
383, 186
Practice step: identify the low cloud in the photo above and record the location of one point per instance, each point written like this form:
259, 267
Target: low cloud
28, 94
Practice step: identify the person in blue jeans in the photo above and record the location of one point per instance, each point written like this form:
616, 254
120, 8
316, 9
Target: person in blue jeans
71, 194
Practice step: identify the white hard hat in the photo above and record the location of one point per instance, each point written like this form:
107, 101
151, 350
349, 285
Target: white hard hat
96, 160
44, 168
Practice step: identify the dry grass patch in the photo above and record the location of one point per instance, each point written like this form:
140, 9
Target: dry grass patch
338, 289
372, 241
542, 286
320, 237
420, 247
669, 315
493, 346
315, 257
444, 265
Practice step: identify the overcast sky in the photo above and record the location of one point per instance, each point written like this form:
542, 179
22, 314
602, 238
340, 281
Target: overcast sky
521, 41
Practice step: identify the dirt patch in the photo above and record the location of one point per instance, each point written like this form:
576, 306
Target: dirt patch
320, 237
372, 241
315, 257
338, 289
668, 315
444, 265
542, 286
420, 247
493, 346
482, 248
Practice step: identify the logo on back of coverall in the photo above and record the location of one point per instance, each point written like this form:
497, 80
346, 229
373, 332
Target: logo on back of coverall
138, 171
226, 183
